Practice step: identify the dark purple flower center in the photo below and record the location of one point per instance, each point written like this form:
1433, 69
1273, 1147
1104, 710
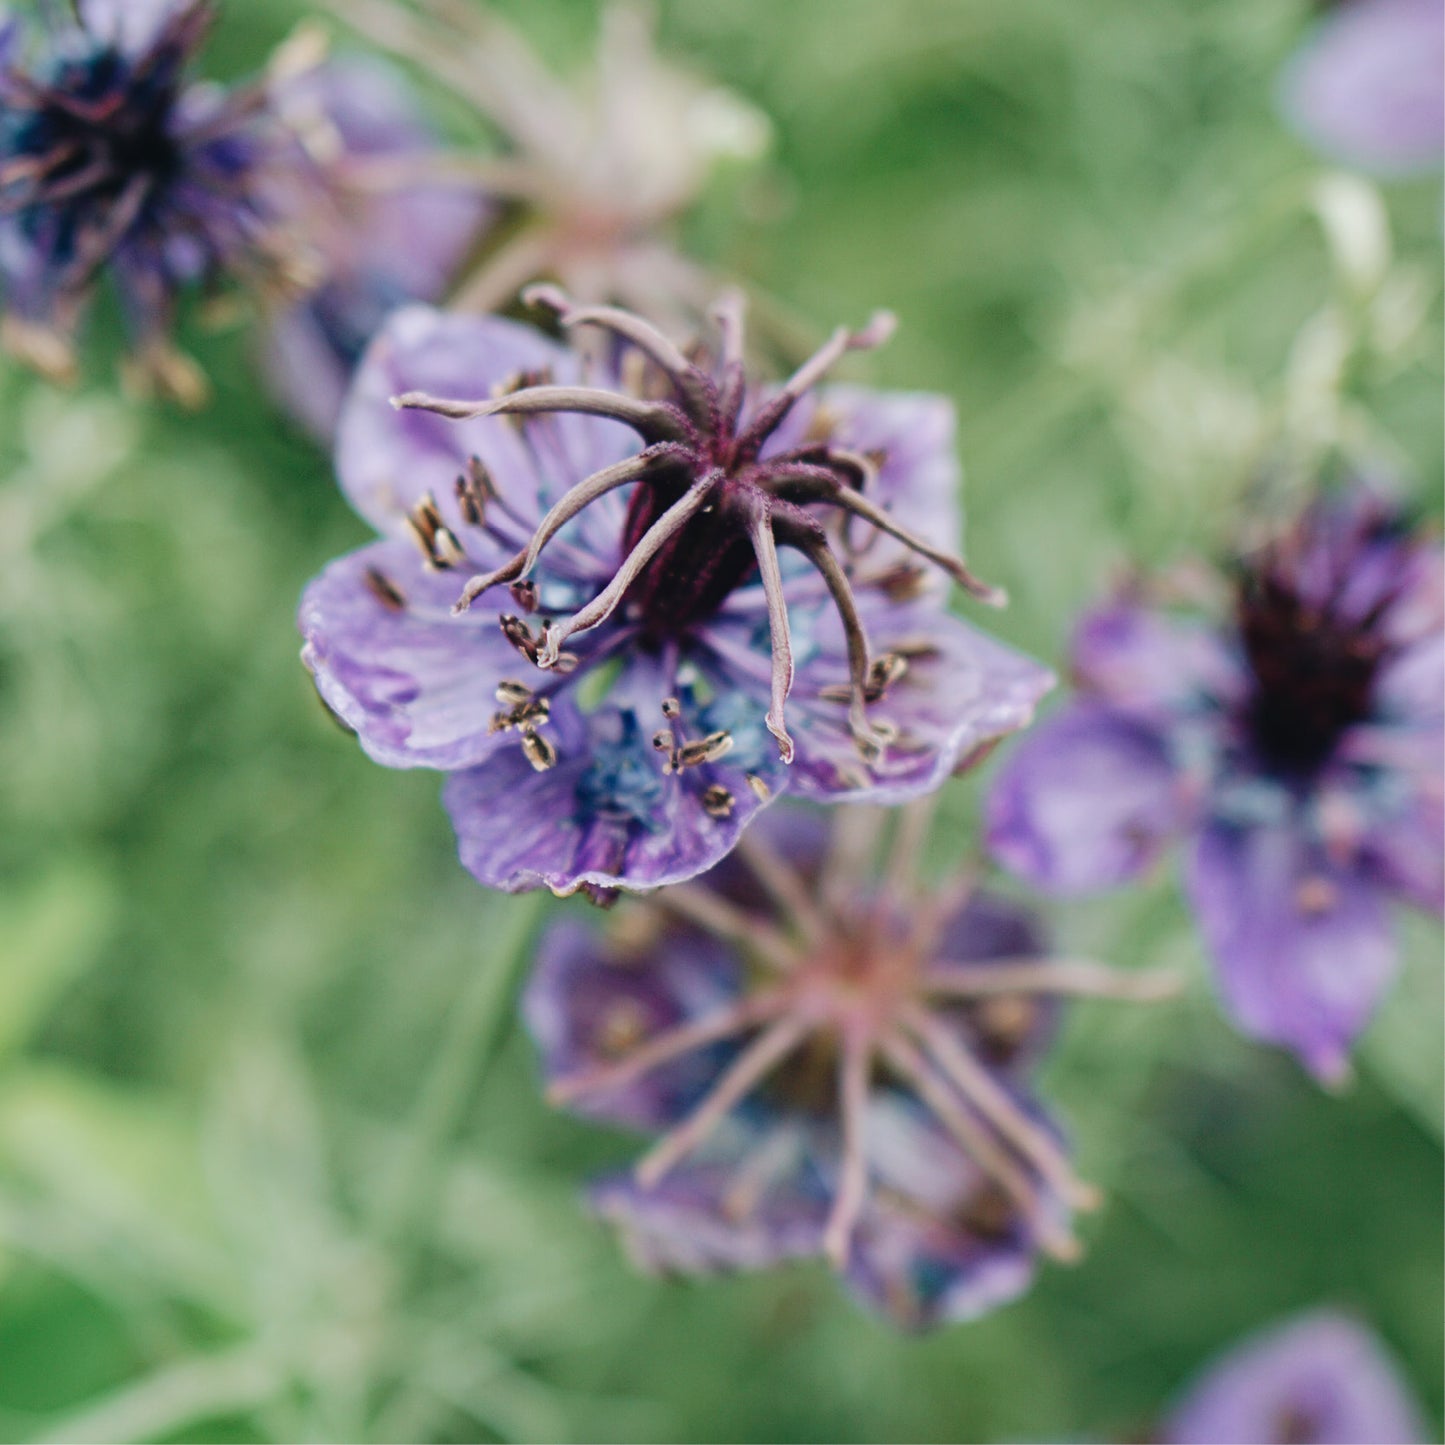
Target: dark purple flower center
1313, 660
91, 146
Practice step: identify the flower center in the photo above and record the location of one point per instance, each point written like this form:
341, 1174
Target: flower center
98, 133
1313, 665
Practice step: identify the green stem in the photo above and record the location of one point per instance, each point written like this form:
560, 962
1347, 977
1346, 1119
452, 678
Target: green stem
477, 1027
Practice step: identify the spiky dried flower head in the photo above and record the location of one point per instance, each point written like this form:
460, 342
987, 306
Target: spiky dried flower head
816, 1043
595, 167
709, 509
718, 591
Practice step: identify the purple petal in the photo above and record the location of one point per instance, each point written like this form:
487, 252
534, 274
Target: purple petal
415, 683
387, 460
1085, 802
1406, 852
592, 999
1321, 1378
1302, 946
1149, 662
383, 247
606, 816
933, 1245
703, 1219
962, 691
126, 24
1366, 89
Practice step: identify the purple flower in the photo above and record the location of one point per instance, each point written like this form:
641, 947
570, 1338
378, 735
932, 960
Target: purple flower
597, 167
833, 1065
1319, 1379
1297, 749
389, 232
1367, 87
666, 561
111, 164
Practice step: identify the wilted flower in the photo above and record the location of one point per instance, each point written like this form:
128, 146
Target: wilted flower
1368, 88
387, 233
112, 164
1319, 1379
835, 1064
1298, 749
609, 690
596, 169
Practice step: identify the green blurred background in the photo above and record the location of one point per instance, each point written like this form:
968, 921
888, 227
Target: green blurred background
252, 1183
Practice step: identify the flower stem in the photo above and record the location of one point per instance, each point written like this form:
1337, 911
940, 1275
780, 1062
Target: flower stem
477, 1026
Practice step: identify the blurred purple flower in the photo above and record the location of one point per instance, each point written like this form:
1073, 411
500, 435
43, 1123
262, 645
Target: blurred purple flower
770, 554
834, 1065
1318, 1379
112, 164
1298, 749
388, 231
1368, 87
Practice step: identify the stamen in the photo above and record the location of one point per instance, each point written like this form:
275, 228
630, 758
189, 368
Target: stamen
705, 750
474, 489
1054, 976
575, 500
437, 541
653, 421
979, 1145
748, 1069
993, 1102
385, 590
717, 802
766, 551
670, 1044
607, 601
853, 1168
538, 751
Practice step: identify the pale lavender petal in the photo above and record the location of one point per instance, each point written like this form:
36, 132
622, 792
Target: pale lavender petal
1367, 89
1147, 661
415, 683
387, 460
961, 692
1320, 1379
1302, 946
1405, 851
704, 1219
1085, 802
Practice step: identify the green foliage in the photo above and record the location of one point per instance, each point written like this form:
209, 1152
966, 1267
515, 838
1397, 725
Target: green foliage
260, 1176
